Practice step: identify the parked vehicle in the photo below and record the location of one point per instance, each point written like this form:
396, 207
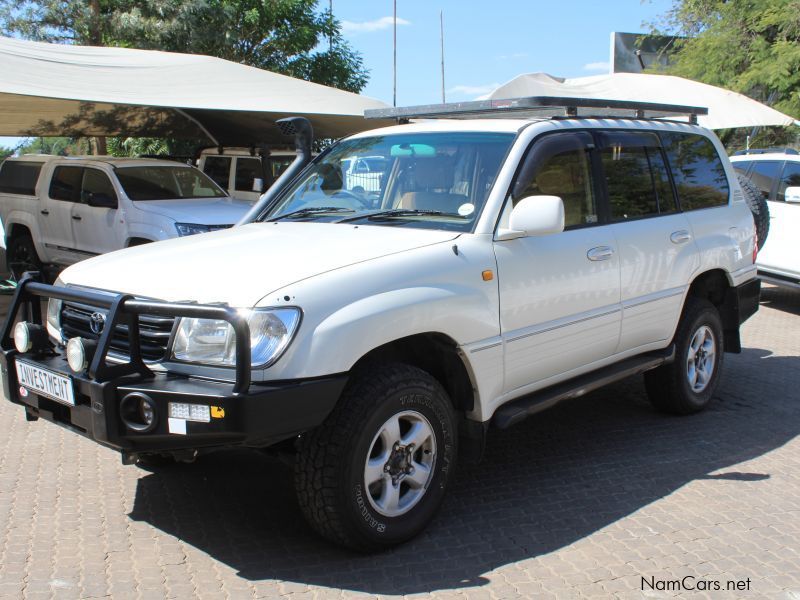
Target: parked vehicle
508, 264
245, 174
776, 176
59, 210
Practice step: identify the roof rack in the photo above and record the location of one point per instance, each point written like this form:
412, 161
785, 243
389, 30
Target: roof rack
539, 107
766, 151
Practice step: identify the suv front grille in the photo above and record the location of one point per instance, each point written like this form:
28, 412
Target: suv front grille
154, 332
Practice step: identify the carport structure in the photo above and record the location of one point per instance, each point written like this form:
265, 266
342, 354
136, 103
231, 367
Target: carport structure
54, 90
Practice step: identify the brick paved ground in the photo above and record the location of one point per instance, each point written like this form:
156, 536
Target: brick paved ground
582, 501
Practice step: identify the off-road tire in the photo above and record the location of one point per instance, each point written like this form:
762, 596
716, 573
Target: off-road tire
758, 206
21, 256
668, 386
330, 464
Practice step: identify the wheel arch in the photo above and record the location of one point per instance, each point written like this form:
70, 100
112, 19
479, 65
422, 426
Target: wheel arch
716, 286
434, 353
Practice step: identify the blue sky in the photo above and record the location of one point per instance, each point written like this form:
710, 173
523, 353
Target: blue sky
486, 43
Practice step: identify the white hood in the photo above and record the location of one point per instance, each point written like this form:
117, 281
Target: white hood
240, 266
211, 211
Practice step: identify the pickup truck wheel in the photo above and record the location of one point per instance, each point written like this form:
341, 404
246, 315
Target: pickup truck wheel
375, 473
21, 256
686, 385
758, 207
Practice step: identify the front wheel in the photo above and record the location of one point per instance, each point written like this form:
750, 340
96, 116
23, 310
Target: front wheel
374, 474
686, 385
21, 256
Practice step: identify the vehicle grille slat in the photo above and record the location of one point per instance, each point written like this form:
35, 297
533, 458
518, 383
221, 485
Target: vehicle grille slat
154, 331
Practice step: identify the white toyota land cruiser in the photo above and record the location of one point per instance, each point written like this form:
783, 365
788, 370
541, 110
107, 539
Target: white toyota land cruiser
500, 266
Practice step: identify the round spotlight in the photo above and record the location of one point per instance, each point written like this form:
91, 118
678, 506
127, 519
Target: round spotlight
76, 355
23, 341
147, 412
138, 411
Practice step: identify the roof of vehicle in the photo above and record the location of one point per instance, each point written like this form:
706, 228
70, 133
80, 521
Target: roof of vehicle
780, 155
230, 151
116, 161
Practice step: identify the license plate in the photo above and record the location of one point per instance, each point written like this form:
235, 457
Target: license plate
45, 382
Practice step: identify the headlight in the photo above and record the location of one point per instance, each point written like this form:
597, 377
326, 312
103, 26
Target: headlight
212, 342
54, 312
191, 228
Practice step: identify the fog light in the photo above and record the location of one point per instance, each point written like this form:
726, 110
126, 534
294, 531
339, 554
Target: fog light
190, 412
139, 412
22, 337
147, 412
77, 356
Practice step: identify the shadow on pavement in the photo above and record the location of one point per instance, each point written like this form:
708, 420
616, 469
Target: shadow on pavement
542, 485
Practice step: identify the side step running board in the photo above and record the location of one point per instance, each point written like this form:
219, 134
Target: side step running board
517, 410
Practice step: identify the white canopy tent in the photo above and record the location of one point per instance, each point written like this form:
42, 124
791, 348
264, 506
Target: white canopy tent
51, 89
726, 109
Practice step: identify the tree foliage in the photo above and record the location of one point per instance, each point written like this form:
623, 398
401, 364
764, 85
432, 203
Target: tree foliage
749, 46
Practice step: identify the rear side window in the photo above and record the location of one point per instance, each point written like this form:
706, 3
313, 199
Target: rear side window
764, 174
17, 177
66, 184
219, 169
247, 170
635, 175
697, 170
741, 166
790, 178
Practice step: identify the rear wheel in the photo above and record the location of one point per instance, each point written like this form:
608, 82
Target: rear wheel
375, 473
686, 385
21, 256
758, 206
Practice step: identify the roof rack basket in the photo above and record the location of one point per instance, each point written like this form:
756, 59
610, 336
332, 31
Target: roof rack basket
539, 107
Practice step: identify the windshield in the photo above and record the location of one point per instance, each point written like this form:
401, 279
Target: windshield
429, 180
166, 183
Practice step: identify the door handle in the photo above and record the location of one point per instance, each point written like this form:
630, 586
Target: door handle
77, 217
45, 212
679, 237
600, 253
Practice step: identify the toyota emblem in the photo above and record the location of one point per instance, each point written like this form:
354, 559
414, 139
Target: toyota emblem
96, 322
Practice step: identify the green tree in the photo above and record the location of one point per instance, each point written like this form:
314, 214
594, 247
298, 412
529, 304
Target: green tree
748, 46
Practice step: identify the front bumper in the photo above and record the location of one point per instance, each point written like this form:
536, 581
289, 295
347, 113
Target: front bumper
241, 412
264, 415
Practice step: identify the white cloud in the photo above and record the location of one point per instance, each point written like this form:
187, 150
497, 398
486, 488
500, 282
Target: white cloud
514, 56
473, 90
370, 26
597, 66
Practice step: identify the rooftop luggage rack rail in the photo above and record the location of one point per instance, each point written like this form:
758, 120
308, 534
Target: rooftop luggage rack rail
539, 107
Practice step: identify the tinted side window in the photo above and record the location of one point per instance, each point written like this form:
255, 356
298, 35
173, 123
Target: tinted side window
790, 178
17, 177
764, 174
247, 169
697, 170
96, 182
741, 166
635, 175
559, 165
219, 169
66, 184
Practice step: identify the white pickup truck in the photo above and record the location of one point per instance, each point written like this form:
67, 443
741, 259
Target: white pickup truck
59, 210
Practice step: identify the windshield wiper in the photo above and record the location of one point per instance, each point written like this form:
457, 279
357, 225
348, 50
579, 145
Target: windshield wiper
313, 210
399, 213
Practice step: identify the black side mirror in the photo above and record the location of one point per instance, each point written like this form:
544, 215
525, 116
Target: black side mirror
101, 200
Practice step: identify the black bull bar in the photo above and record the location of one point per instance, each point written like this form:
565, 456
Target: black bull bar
124, 309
